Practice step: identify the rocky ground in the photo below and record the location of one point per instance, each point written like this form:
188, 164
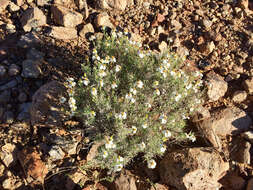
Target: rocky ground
44, 42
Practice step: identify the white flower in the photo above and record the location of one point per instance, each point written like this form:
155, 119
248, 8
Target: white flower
133, 90
109, 144
157, 92
118, 167
151, 164
92, 113
188, 86
105, 154
178, 97
144, 125
148, 105
139, 84
102, 73
102, 67
114, 85
166, 133
92, 38
117, 68
62, 100
141, 55
70, 79
86, 81
132, 100
156, 83
134, 129
191, 109
94, 91
120, 159
162, 148
163, 119
72, 101
123, 115
101, 83
113, 59
142, 145
128, 96
172, 73
191, 137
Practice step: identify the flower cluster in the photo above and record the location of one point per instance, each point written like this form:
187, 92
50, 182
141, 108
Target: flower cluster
137, 100
70, 84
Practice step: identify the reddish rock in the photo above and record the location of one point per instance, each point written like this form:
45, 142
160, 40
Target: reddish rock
248, 85
4, 4
113, 4
32, 18
193, 169
46, 109
228, 121
125, 181
63, 33
103, 19
216, 86
88, 28
66, 17
33, 165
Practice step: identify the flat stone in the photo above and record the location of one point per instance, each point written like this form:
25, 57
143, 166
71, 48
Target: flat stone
2, 70
239, 96
3, 5
193, 169
30, 69
207, 24
13, 7
34, 54
66, 17
45, 110
112, 4
228, 121
216, 86
28, 40
88, 28
32, 18
248, 85
9, 85
13, 70
103, 19
56, 153
8, 154
63, 33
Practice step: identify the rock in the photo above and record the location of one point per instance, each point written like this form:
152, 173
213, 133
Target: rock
63, 33
56, 153
65, 3
8, 85
13, 70
216, 86
33, 18
241, 151
193, 169
82, 5
31, 69
3, 5
248, 85
88, 28
248, 136
250, 184
46, 109
183, 51
19, 2
9, 117
93, 151
125, 181
13, 7
34, 54
228, 121
158, 186
2, 71
103, 19
28, 40
8, 183
32, 164
24, 111
201, 113
66, 17
22, 97
207, 24
112, 4
209, 47
8, 154
239, 96
163, 46
233, 181
42, 2
5, 97
176, 25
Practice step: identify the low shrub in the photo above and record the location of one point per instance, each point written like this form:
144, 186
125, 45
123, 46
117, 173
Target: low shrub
135, 99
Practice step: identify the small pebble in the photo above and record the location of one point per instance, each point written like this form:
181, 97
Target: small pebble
2, 71
13, 70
